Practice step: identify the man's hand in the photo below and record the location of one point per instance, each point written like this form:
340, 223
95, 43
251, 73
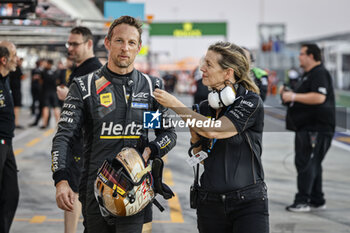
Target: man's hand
64, 196
146, 154
62, 92
288, 96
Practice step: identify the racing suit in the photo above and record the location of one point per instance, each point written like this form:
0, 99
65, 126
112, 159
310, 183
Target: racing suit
109, 108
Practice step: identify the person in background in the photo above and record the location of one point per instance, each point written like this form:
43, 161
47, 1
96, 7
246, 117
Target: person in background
81, 61
49, 95
40, 92
311, 114
9, 191
232, 196
202, 91
16, 78
293, 77
36, 86
169, 81
259, 76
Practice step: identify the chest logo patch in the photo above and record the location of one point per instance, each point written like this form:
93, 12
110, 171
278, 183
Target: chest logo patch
106, 99
2, 101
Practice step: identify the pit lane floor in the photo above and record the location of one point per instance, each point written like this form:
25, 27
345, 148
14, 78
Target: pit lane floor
37, 210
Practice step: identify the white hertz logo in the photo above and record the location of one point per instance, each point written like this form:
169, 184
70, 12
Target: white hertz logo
54, 162
117, 131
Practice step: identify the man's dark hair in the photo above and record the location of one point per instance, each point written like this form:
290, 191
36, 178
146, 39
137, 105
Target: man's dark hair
84, 31
50, 61
127, 20
314, 50
4, 52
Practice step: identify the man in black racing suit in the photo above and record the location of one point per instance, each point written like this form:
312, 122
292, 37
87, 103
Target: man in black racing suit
109, 105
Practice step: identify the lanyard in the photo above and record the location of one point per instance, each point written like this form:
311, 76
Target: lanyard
214, 139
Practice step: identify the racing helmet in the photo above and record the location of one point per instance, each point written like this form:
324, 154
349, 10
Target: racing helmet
123, 187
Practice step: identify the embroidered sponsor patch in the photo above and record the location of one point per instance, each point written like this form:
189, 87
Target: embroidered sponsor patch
2, 101
322, 90
139, 105
106, 99
101, 84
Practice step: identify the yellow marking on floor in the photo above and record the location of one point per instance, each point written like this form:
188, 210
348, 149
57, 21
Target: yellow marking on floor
38, 219
343, 139
18, 151
33, 142
175, 210
168, 177
174, 203
49, 132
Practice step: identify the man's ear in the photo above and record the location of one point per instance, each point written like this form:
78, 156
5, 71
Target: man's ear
3, 60
107, 43
140, 46
90, 43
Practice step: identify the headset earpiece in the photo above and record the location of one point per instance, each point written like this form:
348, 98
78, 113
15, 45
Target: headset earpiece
224, 97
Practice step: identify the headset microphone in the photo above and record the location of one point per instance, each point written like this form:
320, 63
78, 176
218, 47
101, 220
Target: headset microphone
157, 85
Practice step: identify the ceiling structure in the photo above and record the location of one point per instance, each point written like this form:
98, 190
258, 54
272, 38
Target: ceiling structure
51, 23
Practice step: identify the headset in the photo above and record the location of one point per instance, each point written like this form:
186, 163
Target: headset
224, 97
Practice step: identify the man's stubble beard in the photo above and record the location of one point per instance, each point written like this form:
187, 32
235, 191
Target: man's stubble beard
122, 64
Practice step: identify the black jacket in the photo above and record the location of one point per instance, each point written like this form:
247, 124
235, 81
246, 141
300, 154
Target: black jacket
86, 67
7, 116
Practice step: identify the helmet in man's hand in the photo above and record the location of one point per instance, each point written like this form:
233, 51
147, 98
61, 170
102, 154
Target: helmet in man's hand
123, 187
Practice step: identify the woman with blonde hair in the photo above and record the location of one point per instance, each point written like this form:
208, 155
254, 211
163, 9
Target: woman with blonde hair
232, 195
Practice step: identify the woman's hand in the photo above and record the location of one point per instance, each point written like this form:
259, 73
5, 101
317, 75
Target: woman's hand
166, 99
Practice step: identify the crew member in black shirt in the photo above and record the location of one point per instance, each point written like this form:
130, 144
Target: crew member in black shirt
9, 192
81, 52
16, 78
311, 114
50, 80
260, 76
232, 196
